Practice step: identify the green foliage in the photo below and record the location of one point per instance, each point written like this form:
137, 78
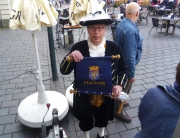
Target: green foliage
115, 5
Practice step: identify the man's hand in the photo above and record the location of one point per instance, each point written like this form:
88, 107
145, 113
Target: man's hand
116, 90
76, 55
132, 80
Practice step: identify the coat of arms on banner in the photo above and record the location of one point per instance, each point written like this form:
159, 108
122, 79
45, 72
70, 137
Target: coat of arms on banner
93, 73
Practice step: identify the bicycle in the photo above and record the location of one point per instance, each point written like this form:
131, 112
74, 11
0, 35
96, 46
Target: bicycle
56, 131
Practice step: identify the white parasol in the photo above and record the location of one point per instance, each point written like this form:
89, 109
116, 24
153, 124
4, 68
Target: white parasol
32, 15
81, 8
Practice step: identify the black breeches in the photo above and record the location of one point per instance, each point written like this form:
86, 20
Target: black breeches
96, 118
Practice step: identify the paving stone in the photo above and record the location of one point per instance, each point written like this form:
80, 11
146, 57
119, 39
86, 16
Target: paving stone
13, 69
72, 134
6, 97
170, 76
159, 68
148, 75
6, 136
149, 85
7, 86
150, 66
7, 119
23, 84
140, 76
29, 80
135, 88
170, 81
170, 71
1, 129
134, 103
15, 127
142, 87
4, 111
138, 82
141, 67
76, 124
2, 92
115, 127
29, 89
161, 83
10, 68
136, 95
11, 91
148, 80
159, 78
114, 136
134, 123
10, 103
20, 96
140, 71
132, 112
129, 134
13, 110
24, 134
80, 134
16, 80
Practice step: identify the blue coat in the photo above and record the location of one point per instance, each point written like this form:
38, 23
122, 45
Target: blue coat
130, 42
159, 112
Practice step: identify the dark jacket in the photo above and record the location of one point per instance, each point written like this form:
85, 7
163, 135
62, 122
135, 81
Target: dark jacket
81, 104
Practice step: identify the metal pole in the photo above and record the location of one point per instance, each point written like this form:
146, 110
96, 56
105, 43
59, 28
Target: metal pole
52, 54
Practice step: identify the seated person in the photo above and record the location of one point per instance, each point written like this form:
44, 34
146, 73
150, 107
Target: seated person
114, 23
123, 9
170, 4
159, 110
162, 3
154, 2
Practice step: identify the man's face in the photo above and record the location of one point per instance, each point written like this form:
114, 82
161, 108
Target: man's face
96, 33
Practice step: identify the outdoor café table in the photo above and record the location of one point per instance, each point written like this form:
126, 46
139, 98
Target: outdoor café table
168, 19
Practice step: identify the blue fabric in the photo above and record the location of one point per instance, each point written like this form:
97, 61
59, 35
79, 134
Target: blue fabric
94, 76
159, 112
130, 42
177, 86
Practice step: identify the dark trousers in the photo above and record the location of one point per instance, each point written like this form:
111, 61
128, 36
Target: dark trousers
117, 103
96, 118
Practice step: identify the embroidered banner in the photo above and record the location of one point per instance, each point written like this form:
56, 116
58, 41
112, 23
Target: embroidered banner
93, 75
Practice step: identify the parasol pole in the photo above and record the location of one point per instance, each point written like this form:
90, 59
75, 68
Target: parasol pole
42, 97
85, 32
32, 109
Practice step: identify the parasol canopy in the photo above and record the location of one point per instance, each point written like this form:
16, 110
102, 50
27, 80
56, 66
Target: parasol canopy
32, 14
81, 8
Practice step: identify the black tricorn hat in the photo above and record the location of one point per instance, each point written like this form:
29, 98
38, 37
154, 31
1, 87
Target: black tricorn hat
99, 17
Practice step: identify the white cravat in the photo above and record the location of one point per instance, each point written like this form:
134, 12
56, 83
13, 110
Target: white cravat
97, 51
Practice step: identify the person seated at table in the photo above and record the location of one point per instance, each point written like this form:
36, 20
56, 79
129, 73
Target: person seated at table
162, 4
123, 9
170, 4
154, 2
159, 110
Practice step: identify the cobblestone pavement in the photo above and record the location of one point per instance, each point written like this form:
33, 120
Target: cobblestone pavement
18, 80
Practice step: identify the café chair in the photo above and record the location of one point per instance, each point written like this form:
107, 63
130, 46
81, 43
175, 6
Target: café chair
144, 16
176, 25
157, 23
152, 9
